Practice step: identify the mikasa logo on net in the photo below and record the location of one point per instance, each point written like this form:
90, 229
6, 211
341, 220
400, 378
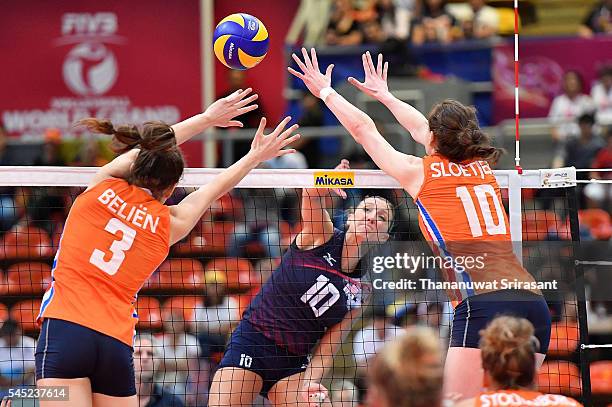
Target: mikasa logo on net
334, 179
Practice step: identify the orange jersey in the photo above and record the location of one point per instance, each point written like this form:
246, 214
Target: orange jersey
115, 237
462, 214
520, 398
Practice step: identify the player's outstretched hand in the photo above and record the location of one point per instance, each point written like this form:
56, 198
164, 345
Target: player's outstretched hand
5, 402
268, 146
222, 112
310, 73
344, 165
375, 82
314, 395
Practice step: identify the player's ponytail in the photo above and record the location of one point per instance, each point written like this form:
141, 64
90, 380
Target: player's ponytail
125, 138
457, 134
508, 347
160, 163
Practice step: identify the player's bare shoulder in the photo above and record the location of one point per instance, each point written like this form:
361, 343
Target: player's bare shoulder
412, 175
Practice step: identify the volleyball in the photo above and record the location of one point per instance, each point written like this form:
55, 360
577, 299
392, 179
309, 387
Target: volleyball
240, 41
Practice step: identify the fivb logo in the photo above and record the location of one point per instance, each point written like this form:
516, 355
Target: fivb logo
90, 68
334, 179
89, 24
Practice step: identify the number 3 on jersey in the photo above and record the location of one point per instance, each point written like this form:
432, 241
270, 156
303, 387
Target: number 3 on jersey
118, 247
483, 193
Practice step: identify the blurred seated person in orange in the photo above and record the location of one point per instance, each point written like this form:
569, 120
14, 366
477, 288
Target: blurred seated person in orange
508, 348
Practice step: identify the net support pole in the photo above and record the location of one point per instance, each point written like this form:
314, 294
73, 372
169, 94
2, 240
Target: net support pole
514, 213
207, 66
571, 197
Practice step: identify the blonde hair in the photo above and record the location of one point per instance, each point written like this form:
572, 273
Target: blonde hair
408, 371
508, 347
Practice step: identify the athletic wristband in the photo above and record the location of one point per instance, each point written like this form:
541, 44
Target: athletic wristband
325, 92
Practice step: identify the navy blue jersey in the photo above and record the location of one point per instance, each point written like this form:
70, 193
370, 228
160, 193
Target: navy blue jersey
304, 296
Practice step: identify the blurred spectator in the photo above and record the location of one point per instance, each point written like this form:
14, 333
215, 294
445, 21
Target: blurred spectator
90, 154
408, 371
435, 25
312, 17
51, 153
395, 17
47, 208
436, 315
565, 109
581, 152
482, 21
259, 222
602, 96
391, 30
16, 357
373, 32
343, 28
236, 79
311, 116
344, 394
600, 195
149, 393
219, 315
370, 339
598, 21
296, 160
263, 209
264, 269
179, 362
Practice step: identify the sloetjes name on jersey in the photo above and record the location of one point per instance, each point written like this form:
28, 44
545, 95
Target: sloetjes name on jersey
451, 169
137, 215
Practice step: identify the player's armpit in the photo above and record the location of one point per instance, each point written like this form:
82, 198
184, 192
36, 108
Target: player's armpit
118, 168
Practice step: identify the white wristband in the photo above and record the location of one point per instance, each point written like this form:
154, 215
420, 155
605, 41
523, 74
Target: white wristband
325, 92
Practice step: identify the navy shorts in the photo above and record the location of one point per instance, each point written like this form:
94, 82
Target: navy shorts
66, 350
251, 350
475, 313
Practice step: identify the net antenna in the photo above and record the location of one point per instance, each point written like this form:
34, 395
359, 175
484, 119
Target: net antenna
517, 143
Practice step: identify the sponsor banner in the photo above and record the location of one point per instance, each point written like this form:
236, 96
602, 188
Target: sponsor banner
542, 63
129, 62
334, 179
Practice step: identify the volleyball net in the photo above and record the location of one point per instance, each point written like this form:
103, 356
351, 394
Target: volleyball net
190, 306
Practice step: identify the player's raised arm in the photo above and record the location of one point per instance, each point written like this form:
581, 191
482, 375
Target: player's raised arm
220, 114
315, 218
186, 214
405, 168
323, 354
375, 85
